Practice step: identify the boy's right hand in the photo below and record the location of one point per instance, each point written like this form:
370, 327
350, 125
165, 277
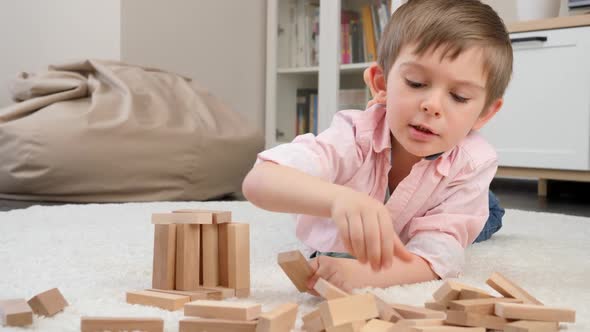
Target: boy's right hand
366, 229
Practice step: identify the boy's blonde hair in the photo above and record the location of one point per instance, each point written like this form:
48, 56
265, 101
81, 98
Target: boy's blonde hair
455, 25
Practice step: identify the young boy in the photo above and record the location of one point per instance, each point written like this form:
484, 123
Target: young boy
443, 67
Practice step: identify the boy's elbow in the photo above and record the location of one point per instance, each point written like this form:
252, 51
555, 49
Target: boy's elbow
250, 186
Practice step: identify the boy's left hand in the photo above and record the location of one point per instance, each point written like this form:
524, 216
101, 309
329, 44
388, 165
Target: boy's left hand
340, 272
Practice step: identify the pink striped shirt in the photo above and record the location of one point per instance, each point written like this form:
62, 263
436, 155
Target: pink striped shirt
437, 210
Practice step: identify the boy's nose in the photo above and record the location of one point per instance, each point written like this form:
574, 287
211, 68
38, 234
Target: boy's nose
431, 105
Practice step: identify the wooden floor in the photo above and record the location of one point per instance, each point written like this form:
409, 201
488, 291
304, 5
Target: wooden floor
571, 198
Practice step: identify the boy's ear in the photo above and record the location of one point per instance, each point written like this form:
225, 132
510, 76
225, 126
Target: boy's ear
488, 114
375, 79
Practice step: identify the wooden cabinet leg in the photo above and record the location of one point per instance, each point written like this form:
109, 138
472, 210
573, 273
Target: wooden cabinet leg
542, 187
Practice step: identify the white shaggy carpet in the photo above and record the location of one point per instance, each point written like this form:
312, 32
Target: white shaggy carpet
95, 253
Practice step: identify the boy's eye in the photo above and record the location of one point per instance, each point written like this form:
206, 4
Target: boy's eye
413, 84
459, 98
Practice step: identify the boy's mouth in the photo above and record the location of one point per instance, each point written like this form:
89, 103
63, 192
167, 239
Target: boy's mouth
423, 129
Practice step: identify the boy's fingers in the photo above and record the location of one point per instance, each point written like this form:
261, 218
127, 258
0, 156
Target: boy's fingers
342, 224
357, 237
372, 240
387, 240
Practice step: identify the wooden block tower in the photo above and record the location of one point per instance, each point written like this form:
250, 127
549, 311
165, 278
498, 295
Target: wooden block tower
200, 250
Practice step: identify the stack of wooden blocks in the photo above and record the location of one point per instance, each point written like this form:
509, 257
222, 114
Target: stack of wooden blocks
198, 254
18, 312
456, 307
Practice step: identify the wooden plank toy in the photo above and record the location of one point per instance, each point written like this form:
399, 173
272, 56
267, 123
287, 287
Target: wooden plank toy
215, 325
223, 310
210, 255
347, 327
480, 306
234, 257
531, 326
535, 312
348, 309
475, 320
386, 312
509, 289
119, 324
377, 325
165, 301
280, 319
192, 217
328, 291
218, 217
312, 321
188, 238
413, 312
48, 303
197, 294
226, 292
446, 329
296, 268
164, 265
451, 290
16, 312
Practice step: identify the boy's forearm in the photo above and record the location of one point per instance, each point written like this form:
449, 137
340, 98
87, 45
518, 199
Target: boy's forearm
283, 189
400, 273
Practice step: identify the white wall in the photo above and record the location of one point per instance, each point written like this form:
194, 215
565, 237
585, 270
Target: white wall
220, 44
36, 33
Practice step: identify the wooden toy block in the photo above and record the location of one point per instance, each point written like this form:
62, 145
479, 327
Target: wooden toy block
480, 306
210, 255
192, 217
223, 310
296, 268
312, 321
16, 312
328, 291
164, 266
234, 257
226, 292
413, 312
534, 312
475, 320
348, 309
451, 290
433, 305
120, 324
420, 322
446, 329
509, 289
531, 326
187, 256
215, 325
218, 217
377, 325
386, 312
48, 303
197, 294
472, 294
280, 319
347, 327
165, 301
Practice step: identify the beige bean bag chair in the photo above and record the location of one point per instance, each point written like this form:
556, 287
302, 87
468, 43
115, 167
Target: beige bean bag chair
104, 131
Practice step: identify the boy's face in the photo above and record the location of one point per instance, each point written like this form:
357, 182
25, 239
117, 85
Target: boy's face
433, 104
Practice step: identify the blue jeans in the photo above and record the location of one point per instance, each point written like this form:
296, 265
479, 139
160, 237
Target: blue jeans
493, 224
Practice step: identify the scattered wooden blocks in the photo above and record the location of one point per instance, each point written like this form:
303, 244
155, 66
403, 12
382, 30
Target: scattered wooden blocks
296, 267
509, 289
48, 303
116, 324
215, 325
446, 329
348, 309
210, 257
16, 312
463, 318
165, 301
234, 257
328, 291
480, 306
197, 294
280, 319
222, 310
347, 327
413, 312
386, 312
534, 312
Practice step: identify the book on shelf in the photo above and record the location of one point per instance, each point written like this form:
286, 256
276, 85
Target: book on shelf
360, 31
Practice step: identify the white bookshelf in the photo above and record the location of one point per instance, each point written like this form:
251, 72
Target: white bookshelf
283, 79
